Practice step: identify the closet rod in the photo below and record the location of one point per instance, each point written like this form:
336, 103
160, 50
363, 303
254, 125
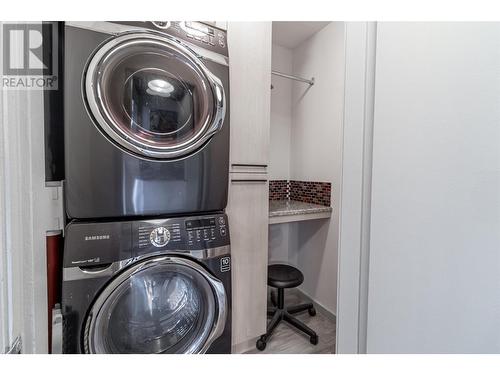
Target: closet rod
309, 81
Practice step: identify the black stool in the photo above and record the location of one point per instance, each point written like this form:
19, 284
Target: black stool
282, 276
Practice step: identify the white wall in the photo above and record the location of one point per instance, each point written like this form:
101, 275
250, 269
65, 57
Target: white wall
281, 124
314, 155
434, 274
281, 115
318, 109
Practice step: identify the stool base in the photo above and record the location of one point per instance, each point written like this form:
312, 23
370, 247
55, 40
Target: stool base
279, 312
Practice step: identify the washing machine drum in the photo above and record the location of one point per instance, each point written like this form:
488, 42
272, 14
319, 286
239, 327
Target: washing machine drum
152, 96
160, 305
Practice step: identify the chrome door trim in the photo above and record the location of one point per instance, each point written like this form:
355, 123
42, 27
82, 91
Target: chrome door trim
216, 285
116, 29
222, 307
108, 127
77, 273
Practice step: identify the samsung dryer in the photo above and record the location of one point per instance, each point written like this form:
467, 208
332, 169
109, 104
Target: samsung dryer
150, 286
146, 119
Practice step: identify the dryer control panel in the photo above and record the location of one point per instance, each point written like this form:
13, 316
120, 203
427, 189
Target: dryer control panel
198, 33
201, 34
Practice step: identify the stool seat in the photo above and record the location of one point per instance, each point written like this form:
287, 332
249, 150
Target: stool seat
284, 276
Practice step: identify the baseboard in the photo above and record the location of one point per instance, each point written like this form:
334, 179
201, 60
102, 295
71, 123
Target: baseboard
322, 309
244, 346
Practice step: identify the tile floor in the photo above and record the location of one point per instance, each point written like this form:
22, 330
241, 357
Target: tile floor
288, 340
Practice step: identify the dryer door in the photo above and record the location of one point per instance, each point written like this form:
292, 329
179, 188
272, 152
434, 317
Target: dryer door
153, 96
159, 305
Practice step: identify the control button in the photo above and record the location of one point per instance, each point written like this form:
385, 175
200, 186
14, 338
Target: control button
221, 220
159, 237
223, 231
221, 43
206, 235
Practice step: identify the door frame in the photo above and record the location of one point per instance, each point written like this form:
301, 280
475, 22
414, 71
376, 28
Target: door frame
25, 203
28, 209
355, 205
5, 322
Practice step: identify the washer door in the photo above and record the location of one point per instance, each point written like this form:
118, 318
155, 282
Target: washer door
153, 96
159, 305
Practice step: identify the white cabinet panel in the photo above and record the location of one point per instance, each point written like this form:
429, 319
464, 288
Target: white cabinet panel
248, 219
249, 46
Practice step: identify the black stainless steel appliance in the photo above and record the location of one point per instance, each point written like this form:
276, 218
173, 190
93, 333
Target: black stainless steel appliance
149, 286
146, 114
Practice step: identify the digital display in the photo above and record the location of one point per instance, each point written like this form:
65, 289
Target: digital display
198, 27
200, 223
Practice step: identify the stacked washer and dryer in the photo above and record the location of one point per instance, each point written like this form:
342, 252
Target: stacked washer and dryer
147, 264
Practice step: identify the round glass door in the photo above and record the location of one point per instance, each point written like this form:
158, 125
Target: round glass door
163, 305
152, 96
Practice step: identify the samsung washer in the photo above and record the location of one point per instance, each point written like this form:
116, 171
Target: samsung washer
152, 286
146, 119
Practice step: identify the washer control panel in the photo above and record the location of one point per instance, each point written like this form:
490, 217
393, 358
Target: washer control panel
206, 230
188, 233
159, 236
106, 242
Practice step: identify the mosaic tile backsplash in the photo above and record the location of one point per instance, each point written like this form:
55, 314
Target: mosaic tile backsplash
279, 190
302, 191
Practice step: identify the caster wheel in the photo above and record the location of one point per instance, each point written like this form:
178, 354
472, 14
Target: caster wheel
261, 344
314, 340
312, 311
